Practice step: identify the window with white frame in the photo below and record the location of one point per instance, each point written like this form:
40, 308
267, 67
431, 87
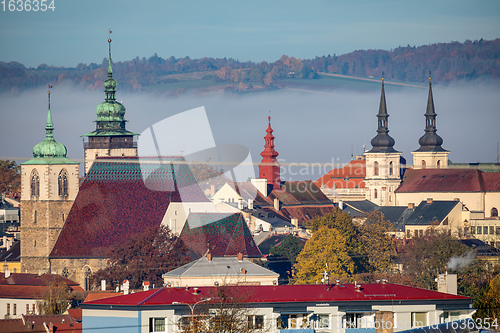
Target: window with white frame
418, 319
255, 322
321, 321
157, 325
293, 321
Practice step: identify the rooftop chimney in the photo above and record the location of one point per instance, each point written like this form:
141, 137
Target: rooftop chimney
240, 257
429, 200
7, 273
341, 205
411, 205
209, 256
145, 285
240, 204
447, 283
125, 287
103, 285
276, 204
250, 203
295, 223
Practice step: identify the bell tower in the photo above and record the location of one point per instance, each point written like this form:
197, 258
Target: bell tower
383, 162
430, 154
49, 185
269, 167
110, 137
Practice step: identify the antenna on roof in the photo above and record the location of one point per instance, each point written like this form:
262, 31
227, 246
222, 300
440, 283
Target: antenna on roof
352, 152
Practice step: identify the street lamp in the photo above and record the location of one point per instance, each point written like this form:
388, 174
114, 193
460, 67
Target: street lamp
191, 307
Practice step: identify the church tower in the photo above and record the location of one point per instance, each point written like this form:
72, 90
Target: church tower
383, 162
430, 154
110, 137
269, 167
49, 185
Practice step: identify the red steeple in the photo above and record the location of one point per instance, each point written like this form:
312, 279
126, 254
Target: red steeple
269, 168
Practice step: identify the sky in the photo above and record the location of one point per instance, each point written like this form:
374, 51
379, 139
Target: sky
321, 127
76, 31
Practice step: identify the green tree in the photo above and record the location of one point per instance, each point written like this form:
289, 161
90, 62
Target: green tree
145, 257
327, 249
427, 256
342, 221
55, 300
289, 248
378, 245
10, 177
487, 302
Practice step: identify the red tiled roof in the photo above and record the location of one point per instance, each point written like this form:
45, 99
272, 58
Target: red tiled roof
351, 175
115, 203
441, 180
284, 293
26, 279
92, 296
491, 181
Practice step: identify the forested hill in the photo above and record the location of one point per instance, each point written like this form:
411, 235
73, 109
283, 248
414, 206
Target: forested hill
472, 61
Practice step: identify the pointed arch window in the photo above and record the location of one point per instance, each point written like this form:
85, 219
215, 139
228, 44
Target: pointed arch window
87, 273
375, 169
391, 168
494, 212
62, 182
35, 184
424, 165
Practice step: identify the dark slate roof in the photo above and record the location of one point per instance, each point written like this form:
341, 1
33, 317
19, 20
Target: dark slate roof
359, 208
397, 215
428, 213
481, 248
13, 254
221, 234
441, 180
115, 203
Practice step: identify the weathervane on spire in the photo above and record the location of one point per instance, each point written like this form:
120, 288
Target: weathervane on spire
48, 93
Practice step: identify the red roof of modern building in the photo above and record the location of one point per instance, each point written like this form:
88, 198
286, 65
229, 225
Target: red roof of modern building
441, 180
282, 293
351, 175
122, 197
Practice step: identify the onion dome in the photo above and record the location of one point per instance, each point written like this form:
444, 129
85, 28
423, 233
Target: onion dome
382, 142
49, 148
430, 141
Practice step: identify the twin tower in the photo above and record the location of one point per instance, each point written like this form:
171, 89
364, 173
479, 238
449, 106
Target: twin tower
385, 165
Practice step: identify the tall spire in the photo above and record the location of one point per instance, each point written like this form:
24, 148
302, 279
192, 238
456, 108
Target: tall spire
269, 167
382, 142
110, 83
430, 141
49, 126
49, 148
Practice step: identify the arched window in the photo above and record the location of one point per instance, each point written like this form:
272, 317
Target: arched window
35, 184
63, 183
494, 212
391, 169
375, 169
439, 164
424, 165
87, 273
375, 194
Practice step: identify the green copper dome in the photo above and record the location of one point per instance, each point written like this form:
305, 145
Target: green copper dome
49, 151
110, 113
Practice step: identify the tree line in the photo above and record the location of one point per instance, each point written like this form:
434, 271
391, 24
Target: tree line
470, 60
